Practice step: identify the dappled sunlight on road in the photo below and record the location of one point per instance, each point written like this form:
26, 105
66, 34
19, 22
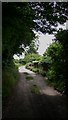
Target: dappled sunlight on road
50, 91
22, 69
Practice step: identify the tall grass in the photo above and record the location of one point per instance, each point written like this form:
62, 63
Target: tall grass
9, 77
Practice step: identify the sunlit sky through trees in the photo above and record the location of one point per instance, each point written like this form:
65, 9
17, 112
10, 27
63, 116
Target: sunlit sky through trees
44, 41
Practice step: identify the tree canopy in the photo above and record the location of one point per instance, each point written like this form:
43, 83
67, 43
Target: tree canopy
19, 20
49, 14
17, 28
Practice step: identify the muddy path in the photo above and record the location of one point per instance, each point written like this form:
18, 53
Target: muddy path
32, 98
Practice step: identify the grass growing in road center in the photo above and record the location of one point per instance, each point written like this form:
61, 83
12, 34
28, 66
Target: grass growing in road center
29, 78
26, 73
35, 89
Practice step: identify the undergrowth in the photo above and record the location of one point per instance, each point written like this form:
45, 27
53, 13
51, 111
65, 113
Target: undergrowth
10, 77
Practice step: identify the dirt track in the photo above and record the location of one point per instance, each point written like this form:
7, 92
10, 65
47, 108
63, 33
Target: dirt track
48, 103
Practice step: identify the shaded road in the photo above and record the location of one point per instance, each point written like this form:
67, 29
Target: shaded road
48, 103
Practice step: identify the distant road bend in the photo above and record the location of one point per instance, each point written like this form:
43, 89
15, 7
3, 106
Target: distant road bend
24, 103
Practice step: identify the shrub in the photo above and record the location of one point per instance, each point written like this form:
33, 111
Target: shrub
35, 70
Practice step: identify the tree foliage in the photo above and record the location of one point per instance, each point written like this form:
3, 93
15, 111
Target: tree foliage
55, 71
33, 47
17, 28
62, 37
31, 57
58, 68
49, 14
19, 19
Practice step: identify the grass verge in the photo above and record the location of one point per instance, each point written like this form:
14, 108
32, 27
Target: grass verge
10, 77
58, 85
